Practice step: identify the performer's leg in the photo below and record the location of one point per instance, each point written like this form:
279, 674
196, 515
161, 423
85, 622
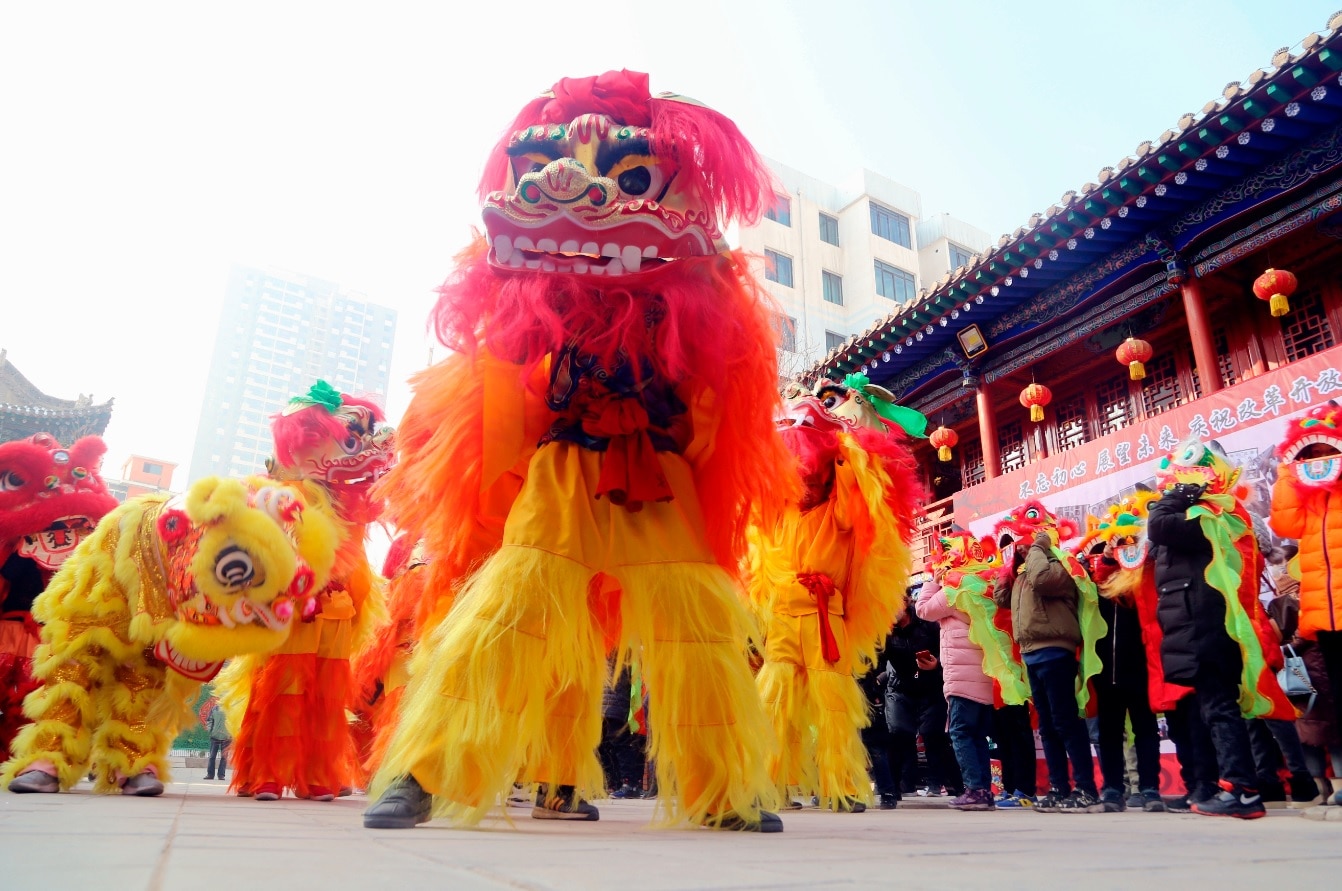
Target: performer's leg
841, 760
130, 751
64, 710
507, 685
710, 738
783, 690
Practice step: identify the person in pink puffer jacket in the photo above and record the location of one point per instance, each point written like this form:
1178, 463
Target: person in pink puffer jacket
969, 693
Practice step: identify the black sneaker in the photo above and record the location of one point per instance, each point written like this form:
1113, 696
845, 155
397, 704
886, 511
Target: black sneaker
1135, 801
1048, 803
1080, 802
731, 822
626, 791
1233, 801
404, 805
1111, 802
889, 802
1178, 805
563, 805
1152, 803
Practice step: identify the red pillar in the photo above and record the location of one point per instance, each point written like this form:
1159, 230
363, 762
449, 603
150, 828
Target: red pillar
992, 458
1200, 332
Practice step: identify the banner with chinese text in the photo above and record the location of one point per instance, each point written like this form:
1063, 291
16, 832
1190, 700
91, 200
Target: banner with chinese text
1247, 419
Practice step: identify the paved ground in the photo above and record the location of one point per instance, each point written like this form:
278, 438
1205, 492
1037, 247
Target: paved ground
196, 837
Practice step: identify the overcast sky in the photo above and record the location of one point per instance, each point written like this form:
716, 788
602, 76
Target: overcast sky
146, 147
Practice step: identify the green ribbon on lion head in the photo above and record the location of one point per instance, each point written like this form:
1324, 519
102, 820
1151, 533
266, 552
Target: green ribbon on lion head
883, 403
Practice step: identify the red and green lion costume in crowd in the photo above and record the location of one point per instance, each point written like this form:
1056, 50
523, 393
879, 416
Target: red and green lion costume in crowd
1017, 529
286, 708
50, 499
1116, 550
966, 568
145, 611
1303, 507
1234, 571
828, 580
581, 470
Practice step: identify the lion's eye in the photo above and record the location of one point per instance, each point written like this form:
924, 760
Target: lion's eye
10, 481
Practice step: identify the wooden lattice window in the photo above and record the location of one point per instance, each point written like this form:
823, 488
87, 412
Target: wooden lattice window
1015, 453
1226, 362
1071, 417
971, 463
1161, 390
1111, 397
1306, 330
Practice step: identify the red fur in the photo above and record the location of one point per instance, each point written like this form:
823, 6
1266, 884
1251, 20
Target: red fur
32, 507
716, 333
312, 427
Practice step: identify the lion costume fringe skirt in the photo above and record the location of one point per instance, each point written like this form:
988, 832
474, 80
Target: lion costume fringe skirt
508, 686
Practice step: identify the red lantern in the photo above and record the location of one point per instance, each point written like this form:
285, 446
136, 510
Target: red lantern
944, 438
1274, 286
1132, 353
1035, 397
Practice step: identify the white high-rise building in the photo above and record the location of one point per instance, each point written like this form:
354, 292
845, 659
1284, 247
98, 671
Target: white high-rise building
278, 334
838, 258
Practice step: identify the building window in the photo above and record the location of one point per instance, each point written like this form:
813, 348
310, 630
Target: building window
1306, 330
778, 268
780, 211
833, 341
1226, 362
959, 256
151, 468
787, 333
833, 285
1015, 454
1114, 404
1071, 417
829, 229
893, 282
890, 225
971, 463
1160, 390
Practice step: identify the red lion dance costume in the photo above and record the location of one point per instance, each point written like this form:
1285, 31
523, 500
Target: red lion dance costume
582, 470
50, 500
287, 707
828, 580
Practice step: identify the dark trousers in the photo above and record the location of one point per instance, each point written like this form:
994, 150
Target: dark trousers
912, 717
218, 749
1218, 700
1274, 744
971, 725
1330, 647
878, 741
1193, 746
1015, 748
1115, 706
1061, 728
621, 754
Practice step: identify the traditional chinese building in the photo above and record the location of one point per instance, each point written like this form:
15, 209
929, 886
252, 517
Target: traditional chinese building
1165, 247
25, 410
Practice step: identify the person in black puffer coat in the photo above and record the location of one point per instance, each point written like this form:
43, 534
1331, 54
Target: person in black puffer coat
915, 704
1197, 650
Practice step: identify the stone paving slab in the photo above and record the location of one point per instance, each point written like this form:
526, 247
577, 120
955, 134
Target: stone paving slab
197, 837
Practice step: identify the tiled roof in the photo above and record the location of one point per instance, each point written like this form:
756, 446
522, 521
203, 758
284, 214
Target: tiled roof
1252, 123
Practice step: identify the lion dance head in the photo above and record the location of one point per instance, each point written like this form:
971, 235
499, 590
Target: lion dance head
1311, 450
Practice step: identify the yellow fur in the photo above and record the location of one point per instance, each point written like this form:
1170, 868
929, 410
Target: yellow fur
104, 696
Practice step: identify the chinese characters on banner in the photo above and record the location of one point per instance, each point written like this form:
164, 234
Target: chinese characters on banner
1247, 419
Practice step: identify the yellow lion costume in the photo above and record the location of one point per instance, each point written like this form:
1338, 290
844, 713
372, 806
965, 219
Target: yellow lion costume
144, 611
828, 579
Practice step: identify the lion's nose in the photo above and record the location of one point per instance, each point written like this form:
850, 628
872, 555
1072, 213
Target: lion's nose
565, 181
233, 568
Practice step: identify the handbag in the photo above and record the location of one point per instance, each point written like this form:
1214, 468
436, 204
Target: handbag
1294, 677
